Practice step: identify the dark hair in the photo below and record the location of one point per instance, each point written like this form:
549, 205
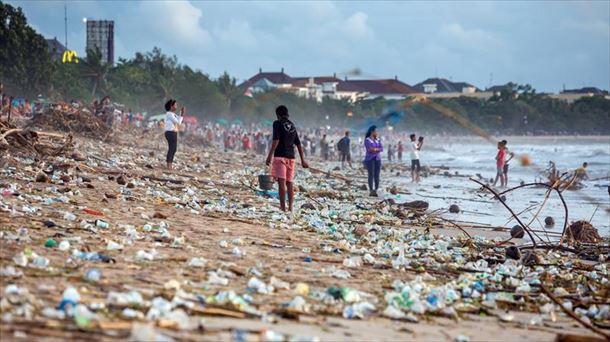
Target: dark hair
504, 142
281, 111
585, 164
412, 136
169, 104
370, 131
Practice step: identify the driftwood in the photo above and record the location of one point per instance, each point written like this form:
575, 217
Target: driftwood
161, 179
538, 184
329, 174
457, 226
28, 139
499, 198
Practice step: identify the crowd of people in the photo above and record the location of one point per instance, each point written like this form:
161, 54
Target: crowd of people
280, 146
333, 145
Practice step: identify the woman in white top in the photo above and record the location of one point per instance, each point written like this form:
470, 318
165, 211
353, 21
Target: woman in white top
172, 123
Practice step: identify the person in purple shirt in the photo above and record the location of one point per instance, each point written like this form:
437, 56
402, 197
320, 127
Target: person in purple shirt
372, 159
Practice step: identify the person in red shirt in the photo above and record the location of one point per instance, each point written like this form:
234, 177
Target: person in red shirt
500, 161
246, 143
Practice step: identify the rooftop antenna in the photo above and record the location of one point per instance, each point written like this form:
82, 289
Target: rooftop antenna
491, 79
66, 22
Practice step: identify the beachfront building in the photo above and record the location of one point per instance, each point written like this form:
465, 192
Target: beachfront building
265, 81
100, 36
571, 95
442, 85
390, 89
56, 49
444, 88
315, 87
320, 87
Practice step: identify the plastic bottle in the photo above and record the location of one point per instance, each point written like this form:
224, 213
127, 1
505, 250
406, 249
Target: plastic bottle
82, 316
350, 295
197, 262
21, 259
359, 310
272, 336
259, 286
418, 307
301, 289
93, 212
64, 245
101, 224
40, 262
298, 303
237, 252
69, 300
215, 279
112, 246
93, 275
144, 256
279, 284
68, 216
353, 262
341, 274
432, 300
393, 313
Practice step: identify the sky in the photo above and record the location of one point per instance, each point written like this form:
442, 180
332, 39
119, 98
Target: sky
549, 44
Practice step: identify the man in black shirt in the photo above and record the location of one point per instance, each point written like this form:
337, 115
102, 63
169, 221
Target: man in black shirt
285, 138
344, 147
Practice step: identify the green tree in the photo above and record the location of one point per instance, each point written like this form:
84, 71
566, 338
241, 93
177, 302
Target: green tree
25, 65
94, 69
227, 86
67, 83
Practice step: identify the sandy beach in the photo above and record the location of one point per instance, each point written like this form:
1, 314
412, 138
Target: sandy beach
209, 208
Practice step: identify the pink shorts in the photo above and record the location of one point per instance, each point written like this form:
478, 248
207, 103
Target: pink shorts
282, 168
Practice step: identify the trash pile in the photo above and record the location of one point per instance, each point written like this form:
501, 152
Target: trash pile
32, 142
71, 120
113, 246
583, 231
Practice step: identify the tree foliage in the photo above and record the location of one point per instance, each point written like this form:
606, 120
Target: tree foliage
25, 64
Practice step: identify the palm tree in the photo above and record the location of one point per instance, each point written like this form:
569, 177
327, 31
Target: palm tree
228, 87
95, 69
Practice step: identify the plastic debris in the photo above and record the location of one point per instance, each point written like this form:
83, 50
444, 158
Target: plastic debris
197, 262
360, 310
200, 272
93, 275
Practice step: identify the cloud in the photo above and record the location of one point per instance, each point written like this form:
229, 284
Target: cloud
469, 39
174, 21
356, 26
238, 33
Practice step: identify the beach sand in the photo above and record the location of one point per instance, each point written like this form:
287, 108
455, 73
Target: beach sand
274, 251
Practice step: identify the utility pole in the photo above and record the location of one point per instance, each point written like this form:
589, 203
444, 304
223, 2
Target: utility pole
66, 22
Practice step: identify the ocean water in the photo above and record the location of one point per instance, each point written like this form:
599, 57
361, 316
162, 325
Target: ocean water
472, 156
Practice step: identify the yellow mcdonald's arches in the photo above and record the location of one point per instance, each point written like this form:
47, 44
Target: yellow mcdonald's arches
69, 56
